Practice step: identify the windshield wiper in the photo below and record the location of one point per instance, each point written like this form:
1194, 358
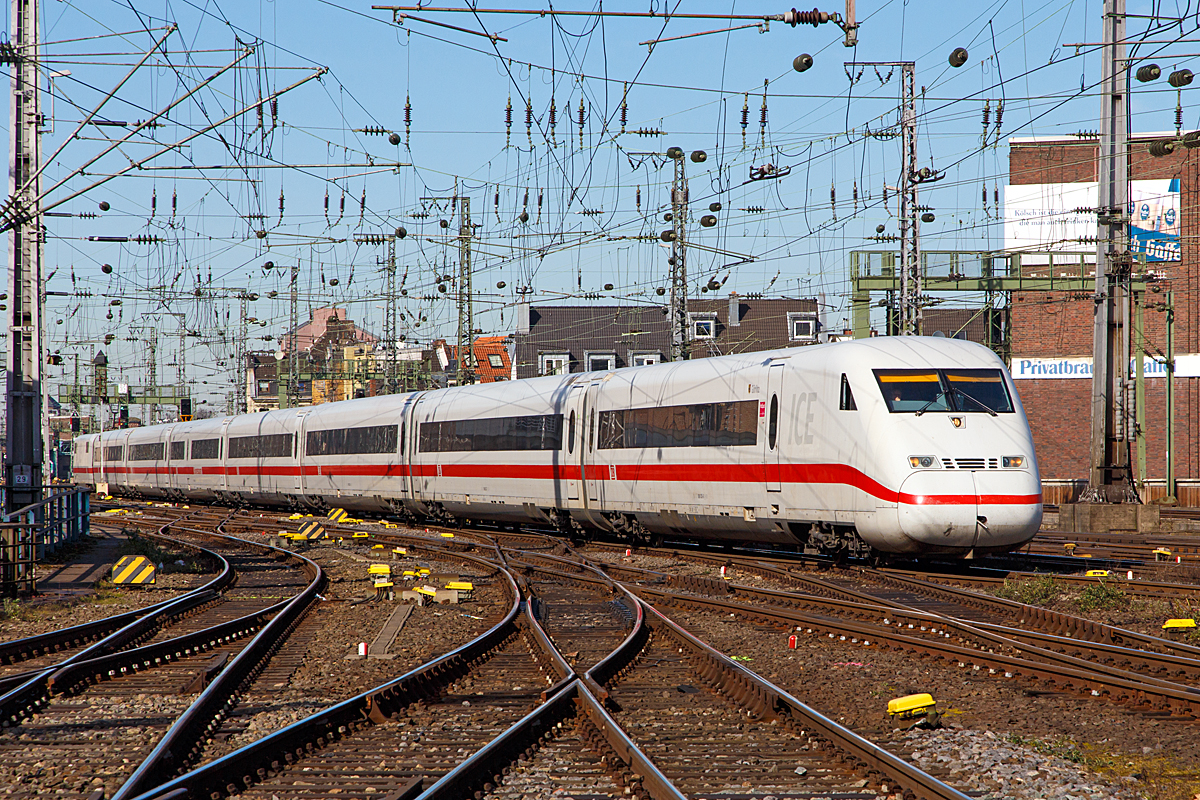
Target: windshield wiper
979, 403
932, 400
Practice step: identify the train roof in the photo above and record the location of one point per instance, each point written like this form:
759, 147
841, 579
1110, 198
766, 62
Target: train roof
875, 352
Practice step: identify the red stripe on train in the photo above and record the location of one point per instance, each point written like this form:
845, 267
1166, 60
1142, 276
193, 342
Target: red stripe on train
821, 474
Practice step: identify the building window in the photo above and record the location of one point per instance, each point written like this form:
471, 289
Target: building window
264, 387
601, 362
642, 359
555, 363
496, 361
802, 327
704, 326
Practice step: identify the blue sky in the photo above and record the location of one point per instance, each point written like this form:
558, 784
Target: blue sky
601, 198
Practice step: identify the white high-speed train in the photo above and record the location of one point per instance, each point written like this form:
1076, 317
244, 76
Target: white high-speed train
906, 445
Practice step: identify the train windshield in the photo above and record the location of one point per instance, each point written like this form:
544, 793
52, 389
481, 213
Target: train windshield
963, 390
912, 390
979, 390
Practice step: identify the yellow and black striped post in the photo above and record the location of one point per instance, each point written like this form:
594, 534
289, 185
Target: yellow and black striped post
338, 515
137, 570
312, 530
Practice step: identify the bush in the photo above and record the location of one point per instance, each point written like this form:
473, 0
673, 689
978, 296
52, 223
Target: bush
1102, 597
1040, 591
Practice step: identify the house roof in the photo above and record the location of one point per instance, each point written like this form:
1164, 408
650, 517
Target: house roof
321, 322
485, 348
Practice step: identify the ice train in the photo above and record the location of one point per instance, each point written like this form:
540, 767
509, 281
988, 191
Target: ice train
890, 445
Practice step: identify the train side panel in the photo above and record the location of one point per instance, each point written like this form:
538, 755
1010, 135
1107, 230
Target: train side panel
492, 451
349, 454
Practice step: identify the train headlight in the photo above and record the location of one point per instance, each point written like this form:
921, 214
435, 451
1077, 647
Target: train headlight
1014, 462
923, 462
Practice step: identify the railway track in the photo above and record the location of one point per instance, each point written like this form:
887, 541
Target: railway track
1008, 640
28, 657
585, 686
441, 724
162, 678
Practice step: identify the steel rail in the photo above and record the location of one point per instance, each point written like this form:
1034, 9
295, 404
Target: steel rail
22, 700
1058, 669
918, 619
1054, 622
483, 770
182, 742
1138, 586
771, 701
623, 655
242, 768
868, 607
17, 650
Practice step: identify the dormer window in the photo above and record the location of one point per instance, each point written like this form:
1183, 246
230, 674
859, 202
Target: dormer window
703, 326
802, 327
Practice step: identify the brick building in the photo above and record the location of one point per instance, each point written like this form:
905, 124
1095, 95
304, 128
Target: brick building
560, 339
1055, 328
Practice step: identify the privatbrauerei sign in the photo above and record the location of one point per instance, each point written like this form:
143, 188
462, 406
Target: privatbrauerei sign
1186, 366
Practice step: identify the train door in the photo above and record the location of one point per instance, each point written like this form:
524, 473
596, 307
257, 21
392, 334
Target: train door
587, 448
572, 451
420, 472
166, 476
771, 447
298, 484
408, 445
224, 453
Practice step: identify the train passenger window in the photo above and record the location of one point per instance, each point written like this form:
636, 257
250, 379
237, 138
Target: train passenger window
114, 452
773, 422
698, 425
154, 451
846, 400
536, 432
571, 433
178, 451
352, 441
206, 449
271, 445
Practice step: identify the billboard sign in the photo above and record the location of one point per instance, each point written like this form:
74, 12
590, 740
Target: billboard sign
1055, 217
1052, 367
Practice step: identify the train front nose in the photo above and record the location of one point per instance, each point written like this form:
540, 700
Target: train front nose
1011, 502
957, 511
937, 510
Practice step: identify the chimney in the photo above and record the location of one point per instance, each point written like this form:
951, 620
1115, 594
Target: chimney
523, 316
735, 310
822, 325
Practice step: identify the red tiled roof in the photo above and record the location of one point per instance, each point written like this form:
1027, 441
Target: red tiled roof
485, 347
